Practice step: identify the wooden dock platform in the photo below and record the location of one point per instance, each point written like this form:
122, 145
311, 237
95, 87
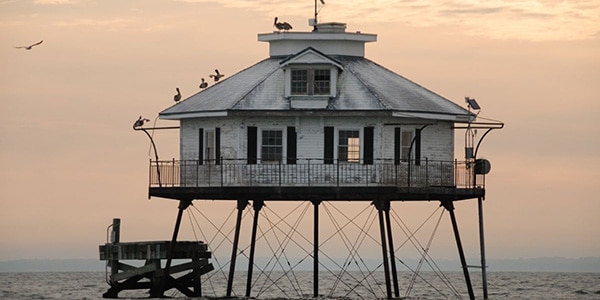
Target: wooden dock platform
153, 275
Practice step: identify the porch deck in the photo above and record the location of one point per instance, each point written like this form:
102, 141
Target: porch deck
313, 179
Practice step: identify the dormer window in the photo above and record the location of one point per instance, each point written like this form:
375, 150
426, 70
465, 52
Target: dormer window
310, 82
310, 79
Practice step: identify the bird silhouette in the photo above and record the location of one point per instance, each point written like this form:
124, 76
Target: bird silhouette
203, 84
177, 97
30, 46
140, 122
217, 76
282, 26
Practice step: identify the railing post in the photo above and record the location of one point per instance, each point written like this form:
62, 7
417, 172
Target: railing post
395, 174
338, 172
426, 172
222, 168
173, 174
280, 172
308, 172
409, 174
442, 173
197, 173
455, 173
209, 171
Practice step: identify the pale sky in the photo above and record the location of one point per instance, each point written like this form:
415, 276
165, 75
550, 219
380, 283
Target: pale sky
71, 161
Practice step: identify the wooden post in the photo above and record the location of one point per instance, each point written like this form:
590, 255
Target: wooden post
482, 248
387, 208
448, 205
183, 204
115, 237
241, 205
316, 248
257, 204
386, 269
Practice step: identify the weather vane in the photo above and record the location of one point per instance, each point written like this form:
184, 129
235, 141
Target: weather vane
317, 10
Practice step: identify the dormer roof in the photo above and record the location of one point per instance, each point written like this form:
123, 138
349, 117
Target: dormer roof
310, 56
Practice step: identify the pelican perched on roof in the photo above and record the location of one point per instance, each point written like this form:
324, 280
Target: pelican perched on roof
282, 26
30, 46
177, 96
203, 84
217, 76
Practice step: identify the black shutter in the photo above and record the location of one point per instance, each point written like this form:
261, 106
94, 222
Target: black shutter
418, 147
328, 142
252, 140
291, 146
368, 151
397, 146
201, 146
218, 146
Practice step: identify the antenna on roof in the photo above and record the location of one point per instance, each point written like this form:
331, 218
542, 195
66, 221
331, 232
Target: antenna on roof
472, 103
470, 133
314, 21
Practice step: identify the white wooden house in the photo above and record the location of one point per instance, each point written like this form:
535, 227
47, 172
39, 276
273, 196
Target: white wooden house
315, 114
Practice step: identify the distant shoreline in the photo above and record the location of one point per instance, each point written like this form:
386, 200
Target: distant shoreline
543, 264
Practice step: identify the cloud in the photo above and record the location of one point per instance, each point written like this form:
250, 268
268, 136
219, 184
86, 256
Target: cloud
536, 20
110, 23
43, 2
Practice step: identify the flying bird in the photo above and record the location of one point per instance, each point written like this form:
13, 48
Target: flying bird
30, 46
282, 26
177, 97
216, 77
140, 122
323, 2
203, 84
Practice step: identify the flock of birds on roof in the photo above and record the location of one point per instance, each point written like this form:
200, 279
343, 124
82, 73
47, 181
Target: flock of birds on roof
203, 84
217, 76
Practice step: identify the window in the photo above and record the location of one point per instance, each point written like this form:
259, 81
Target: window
272, 145
406, 138
209, 149
310, 82
321, 82
348, 146
299, 84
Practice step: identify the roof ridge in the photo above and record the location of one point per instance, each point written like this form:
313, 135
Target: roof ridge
417, 84
257, 84
368, 87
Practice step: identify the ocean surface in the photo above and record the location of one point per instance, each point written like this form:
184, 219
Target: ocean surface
501, 285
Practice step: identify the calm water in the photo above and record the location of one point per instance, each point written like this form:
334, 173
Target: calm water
502, 285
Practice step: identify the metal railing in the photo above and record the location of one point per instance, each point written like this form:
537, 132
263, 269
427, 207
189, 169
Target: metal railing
313, 172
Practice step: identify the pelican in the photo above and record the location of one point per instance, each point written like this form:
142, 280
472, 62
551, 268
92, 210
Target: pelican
140, 122
178, 96
216, 77
30, 46
203, 84
282, 26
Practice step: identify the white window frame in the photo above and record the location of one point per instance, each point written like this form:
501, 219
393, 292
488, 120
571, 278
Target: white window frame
360, 146
259, 144
209, 140
310, 80
405, 145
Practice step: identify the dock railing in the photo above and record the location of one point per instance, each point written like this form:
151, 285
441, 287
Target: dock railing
313, 172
